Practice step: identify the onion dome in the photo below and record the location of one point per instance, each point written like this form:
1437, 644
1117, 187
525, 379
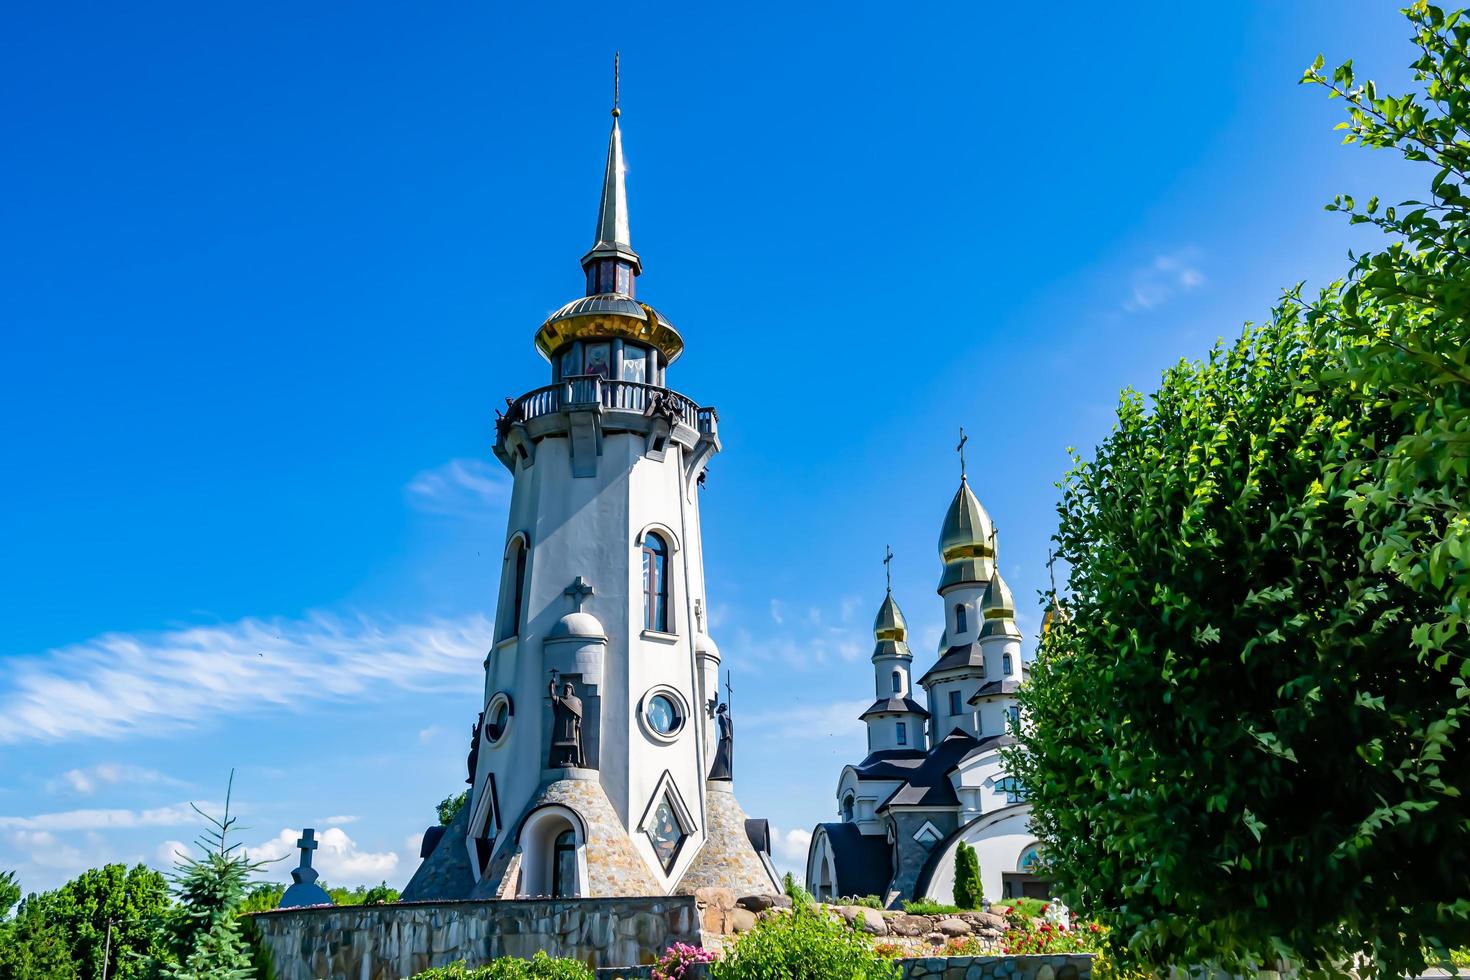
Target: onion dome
999, 609
577, 625
704, 646
890, 630
967, 531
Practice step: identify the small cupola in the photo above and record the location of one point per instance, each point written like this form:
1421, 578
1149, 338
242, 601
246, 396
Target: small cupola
999, 609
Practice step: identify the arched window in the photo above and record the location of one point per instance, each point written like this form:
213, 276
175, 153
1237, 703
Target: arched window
847, 808
903, 734
516, 594
961, 620
1005, 664
897, 682
655, 584
564, 865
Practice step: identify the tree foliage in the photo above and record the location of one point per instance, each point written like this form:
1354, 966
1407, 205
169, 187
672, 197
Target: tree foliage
808, 942
32, 947
1246, 739
105, 915
449, 807
968, 892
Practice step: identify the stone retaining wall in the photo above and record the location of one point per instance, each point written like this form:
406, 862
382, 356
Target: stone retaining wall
389, 942
1070, 967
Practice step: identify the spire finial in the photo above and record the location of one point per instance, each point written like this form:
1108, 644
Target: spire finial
961, 450
616, 111
888, 567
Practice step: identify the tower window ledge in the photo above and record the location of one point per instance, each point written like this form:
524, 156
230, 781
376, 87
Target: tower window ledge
506, 643
660, 637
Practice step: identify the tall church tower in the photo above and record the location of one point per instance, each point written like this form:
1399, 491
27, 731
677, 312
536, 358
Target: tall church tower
598, 765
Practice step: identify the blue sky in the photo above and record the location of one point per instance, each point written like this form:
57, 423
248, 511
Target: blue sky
265, 275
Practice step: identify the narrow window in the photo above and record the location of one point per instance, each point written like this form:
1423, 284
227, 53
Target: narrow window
954, 702
564, 865
655, 584
903, 734
520, 591
1014, 714
1005, 664
961, 620
847, 808
897, 682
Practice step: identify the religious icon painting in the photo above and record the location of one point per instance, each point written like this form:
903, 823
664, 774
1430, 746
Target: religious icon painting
665, 834
571, 364
599, 359
635, 365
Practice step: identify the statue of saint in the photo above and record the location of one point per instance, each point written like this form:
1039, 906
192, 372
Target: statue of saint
723, 767
566, 728
474, 748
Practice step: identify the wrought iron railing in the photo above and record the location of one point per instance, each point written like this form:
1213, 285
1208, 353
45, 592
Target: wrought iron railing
626, 396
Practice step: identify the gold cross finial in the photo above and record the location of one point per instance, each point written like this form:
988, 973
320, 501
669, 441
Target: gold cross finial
961, 450
616, 111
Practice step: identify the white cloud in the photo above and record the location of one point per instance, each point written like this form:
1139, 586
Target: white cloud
87, 781
122, 684
1162, 279
337, 857
167, 854
427, 735
338, 821
465, 488
838, 719
177, 815
44, 850
776, 615
789, 849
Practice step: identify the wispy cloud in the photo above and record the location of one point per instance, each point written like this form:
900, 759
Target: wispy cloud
87, 781
463, 488
177, 815
789, 849
1163, 279
836, 719
124, 684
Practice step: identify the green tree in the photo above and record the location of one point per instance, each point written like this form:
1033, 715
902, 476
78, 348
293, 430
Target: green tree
1245, 738
208, 938
111, 914
9, 892
32, 947
968, 892
450, 806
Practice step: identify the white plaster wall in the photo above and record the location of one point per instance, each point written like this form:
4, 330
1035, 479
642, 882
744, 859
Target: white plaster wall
998, 842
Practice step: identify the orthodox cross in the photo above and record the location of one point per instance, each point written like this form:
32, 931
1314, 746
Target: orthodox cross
961, 450
729, 693
888, 567
579, 590
698, 615
307, 843
616, 56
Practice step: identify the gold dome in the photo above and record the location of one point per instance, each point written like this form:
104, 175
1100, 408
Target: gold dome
967, 531
890, 624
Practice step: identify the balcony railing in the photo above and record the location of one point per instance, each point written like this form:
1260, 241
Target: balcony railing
625, 396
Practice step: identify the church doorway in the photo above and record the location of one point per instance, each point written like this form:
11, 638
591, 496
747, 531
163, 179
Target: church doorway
553, 855
1018, 885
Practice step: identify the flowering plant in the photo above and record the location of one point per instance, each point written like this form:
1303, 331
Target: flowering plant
678, 958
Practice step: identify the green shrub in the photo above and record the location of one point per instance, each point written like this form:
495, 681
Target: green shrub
968, 892
794, 891
807, 943
925, 906
866, 901
1029, 908
541, 967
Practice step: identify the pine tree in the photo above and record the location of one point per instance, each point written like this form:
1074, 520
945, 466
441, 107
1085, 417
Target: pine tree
968, 892
209, 940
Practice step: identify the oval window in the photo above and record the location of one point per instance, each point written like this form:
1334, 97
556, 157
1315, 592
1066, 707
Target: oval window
663, 714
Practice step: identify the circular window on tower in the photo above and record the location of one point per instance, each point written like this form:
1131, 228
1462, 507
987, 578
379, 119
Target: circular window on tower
497, 717
663, 713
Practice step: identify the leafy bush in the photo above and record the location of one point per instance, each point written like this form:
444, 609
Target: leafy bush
1028, 907
968, 892
925, 906
674, 964
866, 901
540, 967
794, 891
807, 943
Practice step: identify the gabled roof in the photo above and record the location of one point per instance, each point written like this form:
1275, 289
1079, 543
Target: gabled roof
993, 688
900, 706
864, 861
928, 784
890, 764
964, 656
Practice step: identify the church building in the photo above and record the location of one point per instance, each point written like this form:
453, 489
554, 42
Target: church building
602, 763
933, 776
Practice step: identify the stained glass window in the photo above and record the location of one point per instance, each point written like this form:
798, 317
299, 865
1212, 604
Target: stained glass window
665, 834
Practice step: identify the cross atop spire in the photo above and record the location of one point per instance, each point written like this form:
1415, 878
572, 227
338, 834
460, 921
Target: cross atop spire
612, 264
888, 567
961, 450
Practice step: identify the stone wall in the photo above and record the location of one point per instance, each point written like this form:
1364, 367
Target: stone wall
1071, 967
389, 942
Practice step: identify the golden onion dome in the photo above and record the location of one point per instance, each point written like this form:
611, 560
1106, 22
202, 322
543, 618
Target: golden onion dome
967, 531
890, 625
999, 608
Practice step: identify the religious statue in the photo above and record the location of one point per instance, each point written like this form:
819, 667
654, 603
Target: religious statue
566, 728
474, 748
723, 767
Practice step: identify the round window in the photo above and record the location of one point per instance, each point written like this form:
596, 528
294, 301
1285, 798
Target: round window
497, 719
663, 713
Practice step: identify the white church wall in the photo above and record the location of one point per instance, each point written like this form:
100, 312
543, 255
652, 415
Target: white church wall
998, 840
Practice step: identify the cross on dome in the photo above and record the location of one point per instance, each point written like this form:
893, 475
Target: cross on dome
580, 591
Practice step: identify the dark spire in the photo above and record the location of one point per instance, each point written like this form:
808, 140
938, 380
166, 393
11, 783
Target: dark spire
612, 264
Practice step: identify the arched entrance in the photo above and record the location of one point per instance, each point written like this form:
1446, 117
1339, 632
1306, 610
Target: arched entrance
553, 855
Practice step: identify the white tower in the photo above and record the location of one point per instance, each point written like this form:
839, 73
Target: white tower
606, 791
896, 720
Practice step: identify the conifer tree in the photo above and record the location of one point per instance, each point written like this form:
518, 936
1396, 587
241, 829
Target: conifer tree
968, 892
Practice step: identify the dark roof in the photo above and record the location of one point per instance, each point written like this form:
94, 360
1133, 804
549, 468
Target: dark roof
928, 784
864, 861
896, 706
890, 764
960, 657
994, 687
